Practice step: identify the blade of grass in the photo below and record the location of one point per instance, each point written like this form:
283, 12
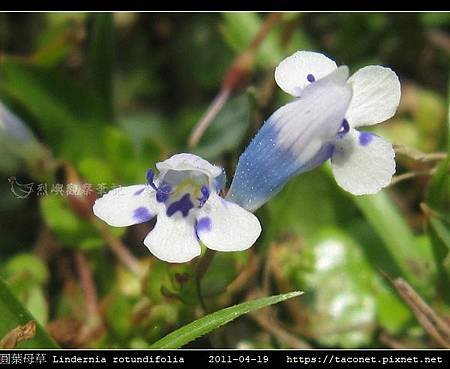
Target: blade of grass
208, 323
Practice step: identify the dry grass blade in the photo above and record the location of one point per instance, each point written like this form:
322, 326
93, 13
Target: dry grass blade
213, 109
426, 316
419, 155
18, 334
410, 175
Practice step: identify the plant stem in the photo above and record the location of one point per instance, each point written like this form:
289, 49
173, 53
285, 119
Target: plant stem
88, 286
213, 109
200, 271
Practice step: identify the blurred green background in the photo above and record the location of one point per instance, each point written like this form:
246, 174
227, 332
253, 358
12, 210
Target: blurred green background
103, 97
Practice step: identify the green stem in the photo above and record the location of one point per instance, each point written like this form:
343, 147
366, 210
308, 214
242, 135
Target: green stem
200, 271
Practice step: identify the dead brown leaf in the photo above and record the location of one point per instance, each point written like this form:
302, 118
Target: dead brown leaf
18, 334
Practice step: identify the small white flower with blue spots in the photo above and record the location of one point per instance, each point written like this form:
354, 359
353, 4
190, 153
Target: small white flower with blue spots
320, 125
185, 199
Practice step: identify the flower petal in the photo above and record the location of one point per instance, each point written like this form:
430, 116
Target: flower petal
300, 69
363, 163
376, 95
125, 206
293, 140
173, 239
225, 226
186, 161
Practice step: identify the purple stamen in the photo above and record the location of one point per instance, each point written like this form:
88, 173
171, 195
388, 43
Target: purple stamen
150, 175
163, 193
205, 195
142, 214
203, 225
310, 78
150, 178
345, 127
365, 138
184, 205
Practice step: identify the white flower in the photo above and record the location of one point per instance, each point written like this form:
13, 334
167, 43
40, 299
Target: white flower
185, 200
296, 138
319, 125
362, 162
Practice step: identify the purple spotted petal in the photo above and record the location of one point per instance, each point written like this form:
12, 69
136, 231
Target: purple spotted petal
142, 214
203, 225
365, 138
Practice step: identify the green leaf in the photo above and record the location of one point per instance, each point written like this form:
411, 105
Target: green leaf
204, 325
101, 55
14, 314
